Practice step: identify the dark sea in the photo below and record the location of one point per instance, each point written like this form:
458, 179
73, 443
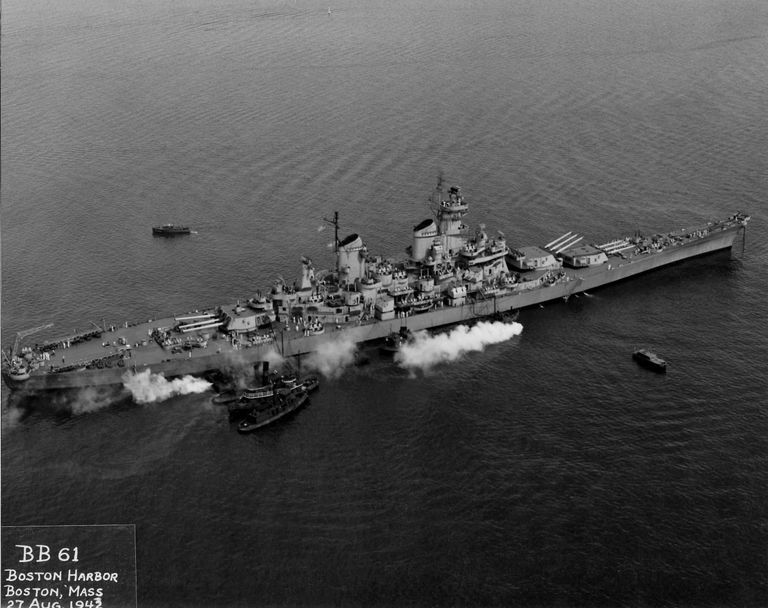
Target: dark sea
547, 470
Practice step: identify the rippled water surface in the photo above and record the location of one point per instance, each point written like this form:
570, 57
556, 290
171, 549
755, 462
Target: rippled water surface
546, 470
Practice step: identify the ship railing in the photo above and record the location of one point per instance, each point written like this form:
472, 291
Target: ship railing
105, 361
66, 341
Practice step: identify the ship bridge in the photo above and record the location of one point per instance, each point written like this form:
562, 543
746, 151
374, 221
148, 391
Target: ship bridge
450, 212
454, 204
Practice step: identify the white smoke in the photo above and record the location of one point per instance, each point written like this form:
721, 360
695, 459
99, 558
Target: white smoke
274, 358
241, 372
147, 387
68, 401
11, 417
427, 350
332, 357
91, 399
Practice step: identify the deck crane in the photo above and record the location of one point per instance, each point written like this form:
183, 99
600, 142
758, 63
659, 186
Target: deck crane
23, 334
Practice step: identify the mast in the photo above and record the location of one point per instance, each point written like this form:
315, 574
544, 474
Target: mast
335, 223
436, 198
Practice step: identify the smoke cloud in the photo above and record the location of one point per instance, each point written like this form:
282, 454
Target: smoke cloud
67, 401
332, 357
91, 399
11, 417
240, 371
427, 350
147, 387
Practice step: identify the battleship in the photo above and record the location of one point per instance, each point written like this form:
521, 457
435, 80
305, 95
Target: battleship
449, 275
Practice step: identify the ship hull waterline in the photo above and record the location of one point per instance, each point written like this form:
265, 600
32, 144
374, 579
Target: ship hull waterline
291, 344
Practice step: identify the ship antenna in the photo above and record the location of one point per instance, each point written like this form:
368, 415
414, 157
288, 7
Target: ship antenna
437, 196
335, 223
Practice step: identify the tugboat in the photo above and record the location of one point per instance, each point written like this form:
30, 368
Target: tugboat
272, 383
650, 360
253, 397
170, 230
395, 340
284, 402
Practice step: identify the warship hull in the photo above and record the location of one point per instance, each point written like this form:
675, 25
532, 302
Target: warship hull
288, 341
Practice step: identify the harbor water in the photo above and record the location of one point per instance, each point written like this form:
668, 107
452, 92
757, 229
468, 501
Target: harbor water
548, 469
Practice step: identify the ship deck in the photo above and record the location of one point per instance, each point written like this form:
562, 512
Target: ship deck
135, 341
140, 350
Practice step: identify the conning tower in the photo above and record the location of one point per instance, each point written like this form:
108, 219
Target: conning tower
450, 212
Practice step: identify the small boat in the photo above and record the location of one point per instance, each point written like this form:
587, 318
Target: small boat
170, 230
247, 399
395, 340
422, 305
241, 406
285, 402
650, 360
255, 397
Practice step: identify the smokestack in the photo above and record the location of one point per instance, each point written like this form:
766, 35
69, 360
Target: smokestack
264, 372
